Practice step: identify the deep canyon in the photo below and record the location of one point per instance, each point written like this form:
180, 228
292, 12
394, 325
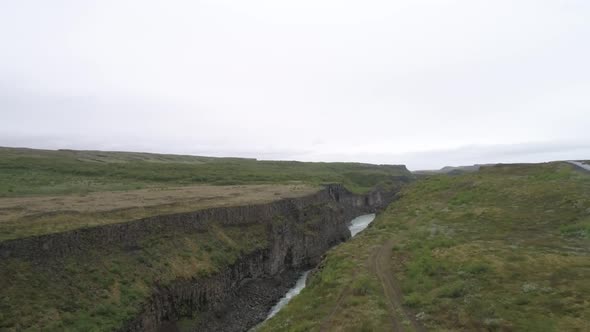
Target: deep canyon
293, 235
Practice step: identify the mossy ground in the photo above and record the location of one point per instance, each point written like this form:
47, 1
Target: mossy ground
99, 291
504, 249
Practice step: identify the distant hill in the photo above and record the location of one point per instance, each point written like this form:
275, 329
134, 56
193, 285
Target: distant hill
452, 169
26, 172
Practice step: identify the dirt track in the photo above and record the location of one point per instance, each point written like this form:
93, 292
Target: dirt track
380, 265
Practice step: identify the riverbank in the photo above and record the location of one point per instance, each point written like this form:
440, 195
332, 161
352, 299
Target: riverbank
355, 226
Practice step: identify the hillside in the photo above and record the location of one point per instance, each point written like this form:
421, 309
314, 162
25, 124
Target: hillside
503, 249
452, 170
26, 172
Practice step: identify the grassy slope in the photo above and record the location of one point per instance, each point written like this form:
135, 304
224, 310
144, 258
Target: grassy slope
101, 290
43, 172
504, 249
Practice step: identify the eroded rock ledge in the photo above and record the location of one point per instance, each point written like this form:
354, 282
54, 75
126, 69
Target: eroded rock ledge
300, 232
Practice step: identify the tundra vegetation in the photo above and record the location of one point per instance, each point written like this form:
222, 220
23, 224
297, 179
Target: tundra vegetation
503, 249
43, 172
44, 192
101, 290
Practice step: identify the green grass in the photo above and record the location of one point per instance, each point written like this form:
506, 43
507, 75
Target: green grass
42, 172
100, 291
503, 249
361, 308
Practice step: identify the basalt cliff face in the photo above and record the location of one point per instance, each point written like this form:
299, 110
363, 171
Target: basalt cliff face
239, 297
299, 231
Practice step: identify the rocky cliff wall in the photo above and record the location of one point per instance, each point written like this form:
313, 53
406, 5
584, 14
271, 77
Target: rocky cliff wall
298, 237
63, 244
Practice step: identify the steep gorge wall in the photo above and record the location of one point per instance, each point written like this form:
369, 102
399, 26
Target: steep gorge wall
63, 244
298, 237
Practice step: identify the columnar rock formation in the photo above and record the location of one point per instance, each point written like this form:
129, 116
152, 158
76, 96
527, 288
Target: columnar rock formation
299, 231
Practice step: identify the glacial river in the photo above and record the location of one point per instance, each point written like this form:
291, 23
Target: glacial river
356, 226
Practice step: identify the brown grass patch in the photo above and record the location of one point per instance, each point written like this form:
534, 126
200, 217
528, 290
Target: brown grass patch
26, 216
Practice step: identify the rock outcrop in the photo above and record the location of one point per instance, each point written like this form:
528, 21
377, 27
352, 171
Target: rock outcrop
298, 239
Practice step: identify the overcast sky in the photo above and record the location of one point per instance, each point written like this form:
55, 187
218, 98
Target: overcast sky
421, 83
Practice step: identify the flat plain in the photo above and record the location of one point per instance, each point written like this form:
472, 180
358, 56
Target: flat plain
32, 215
43, 191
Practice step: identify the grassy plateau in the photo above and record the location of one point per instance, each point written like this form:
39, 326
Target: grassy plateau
44, 191
26, 172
